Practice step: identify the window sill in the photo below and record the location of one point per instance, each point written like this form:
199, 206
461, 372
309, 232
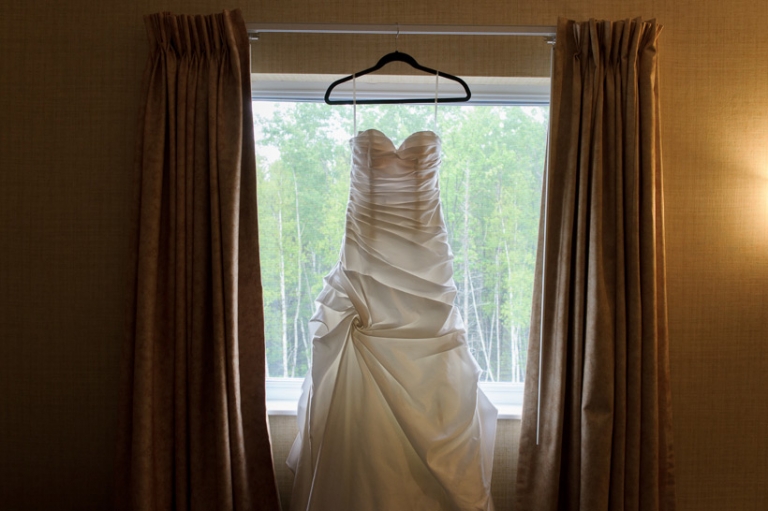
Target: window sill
288, 408
283, 396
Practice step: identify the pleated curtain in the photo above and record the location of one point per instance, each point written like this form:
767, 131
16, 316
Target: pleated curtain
599, 322
194, 432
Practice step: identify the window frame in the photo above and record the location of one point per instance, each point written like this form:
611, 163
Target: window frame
283, 393
532, 91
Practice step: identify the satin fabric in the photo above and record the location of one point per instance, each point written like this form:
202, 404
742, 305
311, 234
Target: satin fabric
391, 416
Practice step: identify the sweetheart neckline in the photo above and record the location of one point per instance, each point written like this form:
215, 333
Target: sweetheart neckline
391, 143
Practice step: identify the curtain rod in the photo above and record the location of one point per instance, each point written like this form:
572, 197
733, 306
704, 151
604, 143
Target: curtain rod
254, 29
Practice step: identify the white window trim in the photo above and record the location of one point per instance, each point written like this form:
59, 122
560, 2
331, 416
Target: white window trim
283, 393
283, 396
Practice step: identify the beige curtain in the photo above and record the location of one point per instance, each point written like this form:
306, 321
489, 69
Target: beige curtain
194, 426
605, 424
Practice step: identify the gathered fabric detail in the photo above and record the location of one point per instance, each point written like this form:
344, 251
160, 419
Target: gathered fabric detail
391, 416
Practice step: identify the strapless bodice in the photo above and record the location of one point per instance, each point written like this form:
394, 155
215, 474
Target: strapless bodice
373, 150
374, 137
388, 176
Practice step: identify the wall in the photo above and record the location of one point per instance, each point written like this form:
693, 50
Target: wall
70, 77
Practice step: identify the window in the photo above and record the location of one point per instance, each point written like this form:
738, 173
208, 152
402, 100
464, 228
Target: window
490, 181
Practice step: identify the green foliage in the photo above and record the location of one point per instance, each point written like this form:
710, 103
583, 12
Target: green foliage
490, 188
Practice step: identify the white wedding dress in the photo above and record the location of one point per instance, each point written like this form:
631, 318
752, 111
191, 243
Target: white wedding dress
391, 417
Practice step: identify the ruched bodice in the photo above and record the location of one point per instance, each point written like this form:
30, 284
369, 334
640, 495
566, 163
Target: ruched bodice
391, 417
394, 215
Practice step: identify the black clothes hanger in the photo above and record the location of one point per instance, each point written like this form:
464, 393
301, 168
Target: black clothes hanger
397, 56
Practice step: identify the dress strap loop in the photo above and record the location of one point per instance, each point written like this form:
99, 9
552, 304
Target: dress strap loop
437, 74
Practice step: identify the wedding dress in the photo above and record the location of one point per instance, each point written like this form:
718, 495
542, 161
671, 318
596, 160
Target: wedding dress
391, 416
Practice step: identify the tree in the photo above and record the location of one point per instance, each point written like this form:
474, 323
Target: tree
490, 189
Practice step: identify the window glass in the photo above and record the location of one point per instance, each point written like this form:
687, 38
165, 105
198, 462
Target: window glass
490, 181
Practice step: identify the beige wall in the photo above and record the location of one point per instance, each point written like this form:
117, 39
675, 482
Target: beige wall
70, 77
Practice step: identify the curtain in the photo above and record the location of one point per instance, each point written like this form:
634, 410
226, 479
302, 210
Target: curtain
194, 431
599, 319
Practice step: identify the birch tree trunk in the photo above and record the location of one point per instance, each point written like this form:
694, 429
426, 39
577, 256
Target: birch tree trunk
299, 250
513, 333
465, 252
483, 347
283, 304
496, 318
